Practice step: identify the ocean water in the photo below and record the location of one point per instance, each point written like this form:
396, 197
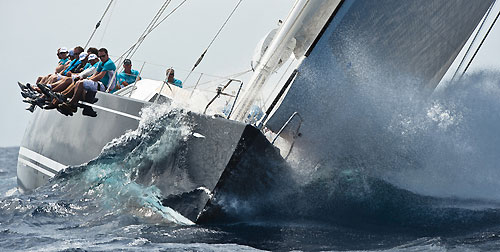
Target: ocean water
444, 197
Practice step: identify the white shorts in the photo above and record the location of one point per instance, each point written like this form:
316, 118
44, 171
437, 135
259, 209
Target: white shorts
59, 77
92, 85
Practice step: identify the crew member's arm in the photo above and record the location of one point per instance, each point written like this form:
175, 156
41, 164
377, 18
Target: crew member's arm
68, 64
98, 76
63, 69
59, 68
86, 73
124, 83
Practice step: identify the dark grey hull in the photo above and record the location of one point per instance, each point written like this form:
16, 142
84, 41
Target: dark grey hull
53, 141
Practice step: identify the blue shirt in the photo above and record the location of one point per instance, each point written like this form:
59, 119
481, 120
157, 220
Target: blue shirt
63, 61
88, 65
74, 63
110, 68
129, 78
177, 82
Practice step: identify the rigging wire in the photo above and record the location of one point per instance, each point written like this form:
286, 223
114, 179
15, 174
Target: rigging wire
149, 30
98, 24
155, 23
128, 52
223, 25
211, 42
152, 25
173, 10
279, 81
107, 24
479, 47
473, 41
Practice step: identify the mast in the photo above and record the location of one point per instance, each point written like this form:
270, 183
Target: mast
303, 24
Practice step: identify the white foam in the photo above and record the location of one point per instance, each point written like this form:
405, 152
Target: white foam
198, 135
11, 192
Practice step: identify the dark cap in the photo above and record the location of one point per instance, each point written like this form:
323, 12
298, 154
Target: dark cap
127, 62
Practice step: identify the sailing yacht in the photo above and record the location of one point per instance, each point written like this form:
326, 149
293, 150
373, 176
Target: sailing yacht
324, 42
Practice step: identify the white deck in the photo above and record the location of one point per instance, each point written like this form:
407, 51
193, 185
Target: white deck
195, 101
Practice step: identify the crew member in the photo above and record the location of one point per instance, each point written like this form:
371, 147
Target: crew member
100, 81
127, 77
171, 79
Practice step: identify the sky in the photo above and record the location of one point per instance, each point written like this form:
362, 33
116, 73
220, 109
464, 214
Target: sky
33, 30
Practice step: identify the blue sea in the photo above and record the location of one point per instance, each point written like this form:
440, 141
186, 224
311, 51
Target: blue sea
433, 184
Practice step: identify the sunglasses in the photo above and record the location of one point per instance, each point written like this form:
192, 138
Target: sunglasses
101, 56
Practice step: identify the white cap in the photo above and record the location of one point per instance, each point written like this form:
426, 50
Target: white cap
82, 56
92, 56
63, 50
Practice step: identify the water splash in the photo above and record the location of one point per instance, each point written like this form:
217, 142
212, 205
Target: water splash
114, 178
453, 140
398, 159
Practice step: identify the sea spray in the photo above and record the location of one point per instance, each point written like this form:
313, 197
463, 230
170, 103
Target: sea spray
427, 163
379, 123
113, 177
454, 141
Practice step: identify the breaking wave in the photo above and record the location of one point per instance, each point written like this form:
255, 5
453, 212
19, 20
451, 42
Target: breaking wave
110, 184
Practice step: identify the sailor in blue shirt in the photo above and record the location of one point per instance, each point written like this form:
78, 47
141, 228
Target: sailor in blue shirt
51, 78
127, 77
62, 54
97, 82
75, 64
171, 79
89, 70
108, 67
